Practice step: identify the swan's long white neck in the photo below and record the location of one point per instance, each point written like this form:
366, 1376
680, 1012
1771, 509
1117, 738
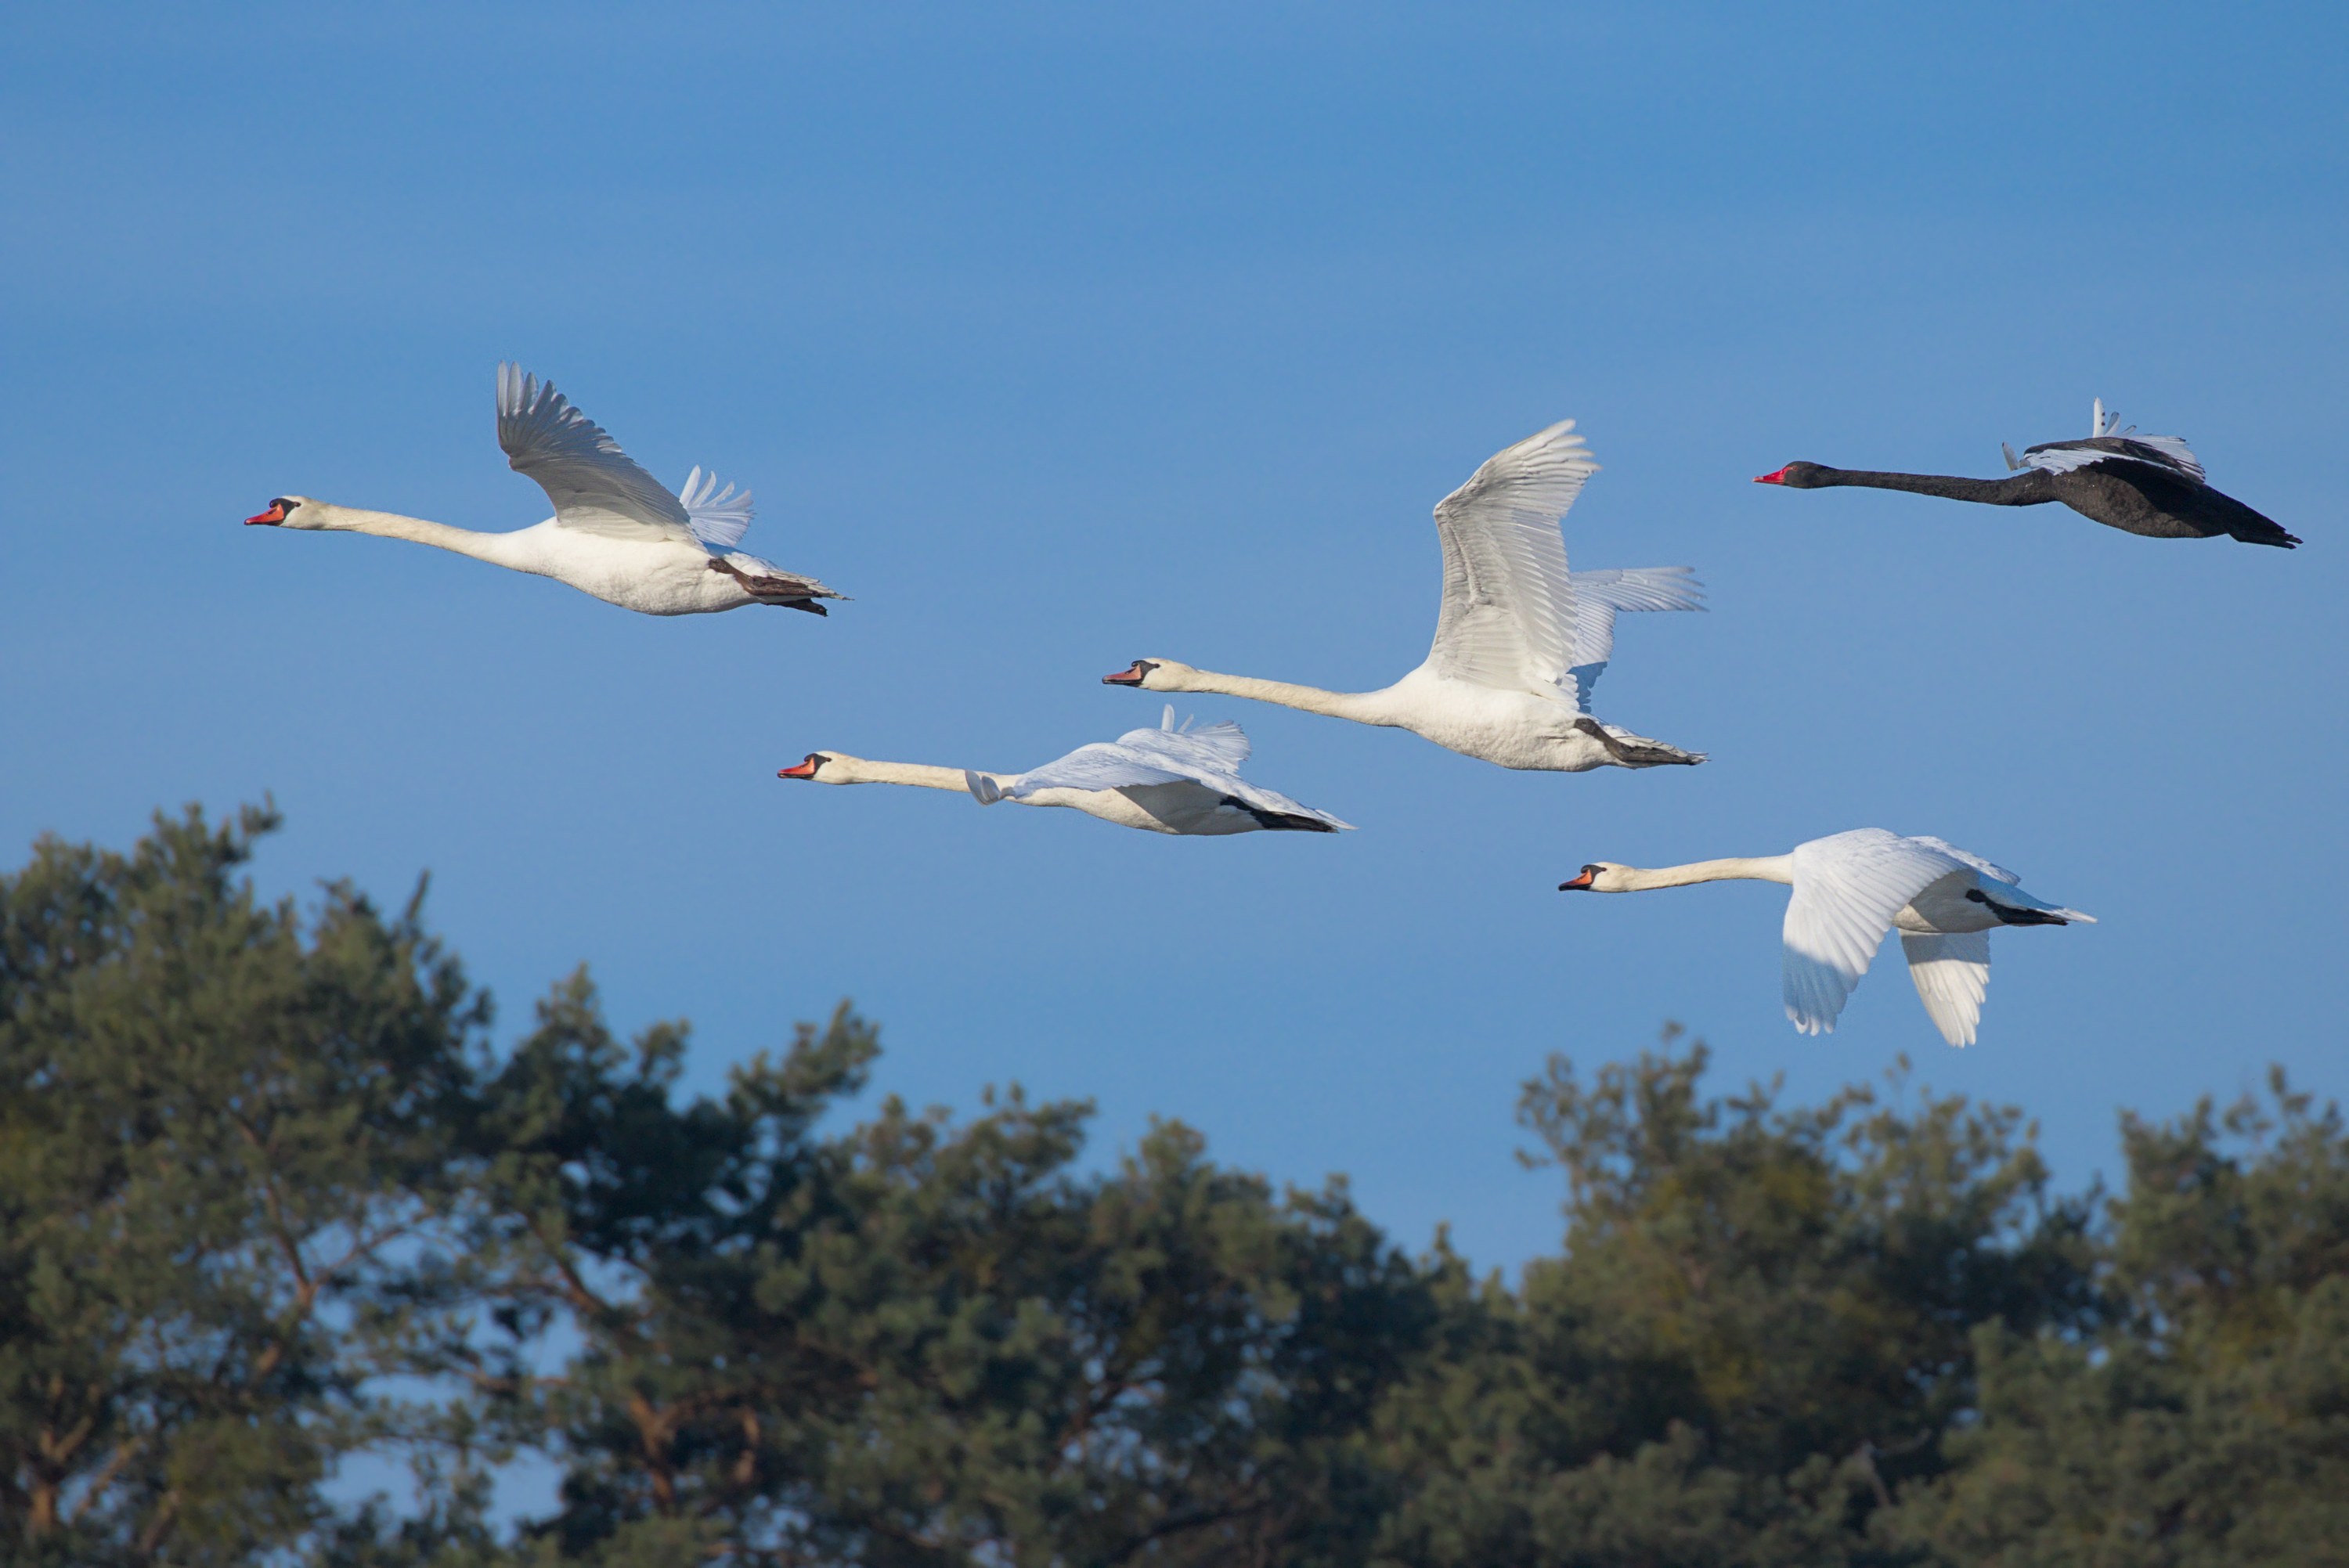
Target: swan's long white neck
843, 769
518, 549
1362, 706
1736, 868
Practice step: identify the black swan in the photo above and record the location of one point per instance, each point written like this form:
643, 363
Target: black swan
2150, 485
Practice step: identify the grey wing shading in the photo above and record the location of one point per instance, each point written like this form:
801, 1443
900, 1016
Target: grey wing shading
1599, 595
1989, 869
718, 518
1953, 976
596, 486
1104, 765
2167, 453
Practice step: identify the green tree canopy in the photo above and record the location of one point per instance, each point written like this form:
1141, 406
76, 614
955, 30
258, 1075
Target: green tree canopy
270, 1202
226, 1160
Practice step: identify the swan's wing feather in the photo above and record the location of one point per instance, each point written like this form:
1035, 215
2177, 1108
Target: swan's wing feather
596, 486
1507, 619
1218, 747
1271, 802
1599, 594
1953, 976
1847, 888
1989, 869
718, 518
2168, 452
1211, 757
1104, 764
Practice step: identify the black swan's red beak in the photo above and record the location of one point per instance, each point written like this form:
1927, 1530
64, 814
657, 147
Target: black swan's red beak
1778, 479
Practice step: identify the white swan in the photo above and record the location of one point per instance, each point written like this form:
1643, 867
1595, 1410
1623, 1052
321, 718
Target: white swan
1519, 640
615, 532
1164, 781
1850, 890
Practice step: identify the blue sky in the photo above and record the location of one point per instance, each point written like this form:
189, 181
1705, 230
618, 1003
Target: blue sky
1058, 336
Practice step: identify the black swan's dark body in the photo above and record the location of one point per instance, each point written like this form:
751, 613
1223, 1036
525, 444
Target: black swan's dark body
2131, 490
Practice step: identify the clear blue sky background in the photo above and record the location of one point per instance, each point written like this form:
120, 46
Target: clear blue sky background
1063, 335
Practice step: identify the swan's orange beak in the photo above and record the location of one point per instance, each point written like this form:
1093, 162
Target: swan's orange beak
277, 513
802, 769
1778, 479
1581, 883
1131, 676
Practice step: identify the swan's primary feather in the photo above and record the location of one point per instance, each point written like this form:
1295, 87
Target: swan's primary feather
596, 486
1509, 616
1847, 888
1599, 594
1953, 976
718, 518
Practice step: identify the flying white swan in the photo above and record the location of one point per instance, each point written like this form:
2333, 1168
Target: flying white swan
1850, 890
1164, 780
1520, 639
615, 532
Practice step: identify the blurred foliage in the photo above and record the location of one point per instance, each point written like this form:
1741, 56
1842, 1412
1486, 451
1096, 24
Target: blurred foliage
273, 1207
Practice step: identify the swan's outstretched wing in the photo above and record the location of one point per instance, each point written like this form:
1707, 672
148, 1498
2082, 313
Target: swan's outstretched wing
718, 518
1847, 888
1988, 868
2169, 453
596, 486
1507, 619
1219, 747
1597, 596
1205, 758
1104, 764
1952, 976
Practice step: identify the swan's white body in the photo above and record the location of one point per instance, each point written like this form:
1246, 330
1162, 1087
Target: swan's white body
1163, 781
615, 532
1519, 640
1850, 890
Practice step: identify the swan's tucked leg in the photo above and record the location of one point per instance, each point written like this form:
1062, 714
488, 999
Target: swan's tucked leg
1279, 821
2011, 915
1637, 750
